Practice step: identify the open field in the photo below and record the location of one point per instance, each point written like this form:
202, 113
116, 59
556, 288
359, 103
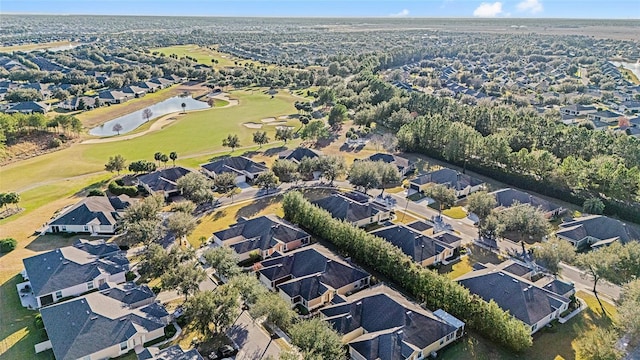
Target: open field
556, 343
32, 47
203, 55
103, 114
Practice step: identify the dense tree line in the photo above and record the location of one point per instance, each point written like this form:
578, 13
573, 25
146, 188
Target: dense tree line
14, 127
436, 291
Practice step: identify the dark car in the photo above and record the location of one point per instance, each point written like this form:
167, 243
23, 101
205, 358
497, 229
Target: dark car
226, 350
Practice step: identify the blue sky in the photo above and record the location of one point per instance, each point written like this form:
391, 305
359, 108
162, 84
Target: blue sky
605, 9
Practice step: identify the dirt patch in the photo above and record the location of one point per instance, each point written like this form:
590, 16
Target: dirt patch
35, 144
252, 125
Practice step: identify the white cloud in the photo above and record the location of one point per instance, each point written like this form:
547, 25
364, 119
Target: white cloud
532, 6
488, 10
402, 13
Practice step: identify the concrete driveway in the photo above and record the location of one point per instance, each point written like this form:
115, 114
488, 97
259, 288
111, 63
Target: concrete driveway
252, 340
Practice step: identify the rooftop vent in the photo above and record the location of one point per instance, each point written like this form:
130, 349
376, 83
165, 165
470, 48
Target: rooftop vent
514, 280
94, 318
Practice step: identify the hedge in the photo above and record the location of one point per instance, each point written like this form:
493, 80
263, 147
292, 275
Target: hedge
436, 291
7, 245
117, 189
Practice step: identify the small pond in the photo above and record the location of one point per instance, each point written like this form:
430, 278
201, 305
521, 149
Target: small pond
633, 67
131, 121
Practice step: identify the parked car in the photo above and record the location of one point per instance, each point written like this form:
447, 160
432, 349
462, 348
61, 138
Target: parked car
226, 351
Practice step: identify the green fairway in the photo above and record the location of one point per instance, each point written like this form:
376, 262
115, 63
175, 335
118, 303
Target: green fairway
202, 55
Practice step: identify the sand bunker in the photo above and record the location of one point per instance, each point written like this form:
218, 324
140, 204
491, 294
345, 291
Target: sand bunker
252, 125
284, 117
269, 120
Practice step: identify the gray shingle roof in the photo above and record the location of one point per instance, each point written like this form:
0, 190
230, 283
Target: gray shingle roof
417, 246
400, 162
382, 316
507, 197
65, 267
85, 325
346, 209
165, 179
100, 209
236, 165
129, 293
448, 177
525, 301
174, 352
298, 154
260, 233
598, 227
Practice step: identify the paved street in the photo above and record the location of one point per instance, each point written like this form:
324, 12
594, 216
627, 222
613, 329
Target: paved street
252, 339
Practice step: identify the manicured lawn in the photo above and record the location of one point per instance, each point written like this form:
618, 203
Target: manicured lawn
555, 343
456, 212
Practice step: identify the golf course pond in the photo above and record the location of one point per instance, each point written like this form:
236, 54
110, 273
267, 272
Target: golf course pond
131, 121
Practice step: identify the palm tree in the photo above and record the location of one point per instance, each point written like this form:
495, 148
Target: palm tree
173, 156
157, 156
164, 158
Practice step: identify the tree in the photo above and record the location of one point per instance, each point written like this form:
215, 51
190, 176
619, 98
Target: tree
445, 196
182, 224
173, 156
184, 107
117, 128
593, 206
267, 180
629, 309
157, 156
223, 260
331, 167
165, 159
314, 131
142, 166
260, 138
147, 114
598, 344
337, 115
224, 182
529, 222
115, 163
249, 288
598, 264
365, 174
231, 141
552, 252
11, 198
141, 220
284, 133
196, 187
317, 340
185, 278
275, 308
481, 203
285, 170
155, 261
8, 244
186, 207
218, 308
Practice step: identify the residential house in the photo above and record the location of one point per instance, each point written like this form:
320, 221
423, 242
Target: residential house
74, 270
163, 181
28, 107
174, 352
379, 323
524, 300
129, 293
164, 83
404, 165
296, 155
95, 215
311, 277
607, 116
358, 212
632, 107
578, 110
557, 286
98, 326
134, 90
43, 89
463, 184
78, 103
508, 197
595, 231
245, 169
422, 249
263, 236
149, 86
114, 96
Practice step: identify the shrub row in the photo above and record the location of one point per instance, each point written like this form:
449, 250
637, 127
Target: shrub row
436, 291
117, 189
7, 245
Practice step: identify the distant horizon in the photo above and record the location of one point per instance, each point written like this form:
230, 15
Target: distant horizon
416, 9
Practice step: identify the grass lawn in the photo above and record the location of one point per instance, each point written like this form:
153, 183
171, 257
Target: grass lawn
475, 254
204, 55
556, 343
456, 212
